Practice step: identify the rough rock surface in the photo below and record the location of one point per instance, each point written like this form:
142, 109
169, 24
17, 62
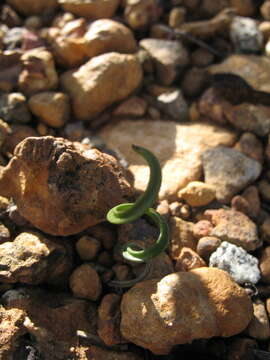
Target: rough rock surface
31, 258
197, 193
169, 58
183, 306
53, 319
61, 187
242, 266
234, 227
91, 9
254, 69
52, 108
228, 171
38, 72
178, 149
99, 83
28, 7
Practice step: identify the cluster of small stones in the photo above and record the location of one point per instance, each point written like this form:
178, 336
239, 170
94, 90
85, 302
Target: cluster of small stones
82, 80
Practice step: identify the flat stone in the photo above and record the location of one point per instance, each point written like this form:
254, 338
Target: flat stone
178, 147
229, 171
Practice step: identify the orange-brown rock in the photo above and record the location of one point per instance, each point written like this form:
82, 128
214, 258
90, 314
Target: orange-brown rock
199, 304
61, 187
91, 9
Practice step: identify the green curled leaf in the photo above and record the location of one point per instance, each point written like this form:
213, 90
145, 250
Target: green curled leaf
128, 212
157, 248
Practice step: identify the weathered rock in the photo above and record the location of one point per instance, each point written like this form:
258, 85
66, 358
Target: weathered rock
67, 42
15, 135
241, 348
77, 41
264, 259
5, 130
228, 171
245, 35
259, 327
242, 266
90, 8
197, 193
243, 7
85, 283
97, 353
254, 69
251, 146
99, 83
141, 13
87, 247
188, 260
181, 236
106, 35
54, 320
38, 72
248, 203
265, 10
202, 228
32, 259
183, 306
13, 108
4, 233
11, 329
206, 246
28, 7
170, 57
234, 227
209, 28
132, 107
50, 196
173, 105
178, 149
52, 108
109, 320
10, 66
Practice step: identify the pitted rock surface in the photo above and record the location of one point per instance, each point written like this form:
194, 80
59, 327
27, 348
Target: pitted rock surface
62, 187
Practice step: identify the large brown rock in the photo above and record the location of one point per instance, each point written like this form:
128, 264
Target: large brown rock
100, 82
61, 187
183, 306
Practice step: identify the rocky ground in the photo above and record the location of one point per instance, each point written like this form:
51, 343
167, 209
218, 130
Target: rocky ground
80, 82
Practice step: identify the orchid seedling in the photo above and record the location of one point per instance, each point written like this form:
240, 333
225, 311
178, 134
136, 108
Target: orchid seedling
128, 212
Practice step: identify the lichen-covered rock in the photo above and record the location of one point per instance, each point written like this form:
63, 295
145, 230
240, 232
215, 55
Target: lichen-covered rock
200, 304
29, 7
32, 259
52, 108
62, 187
38, 72
92, 9
100, 82
242, 266
229, 171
